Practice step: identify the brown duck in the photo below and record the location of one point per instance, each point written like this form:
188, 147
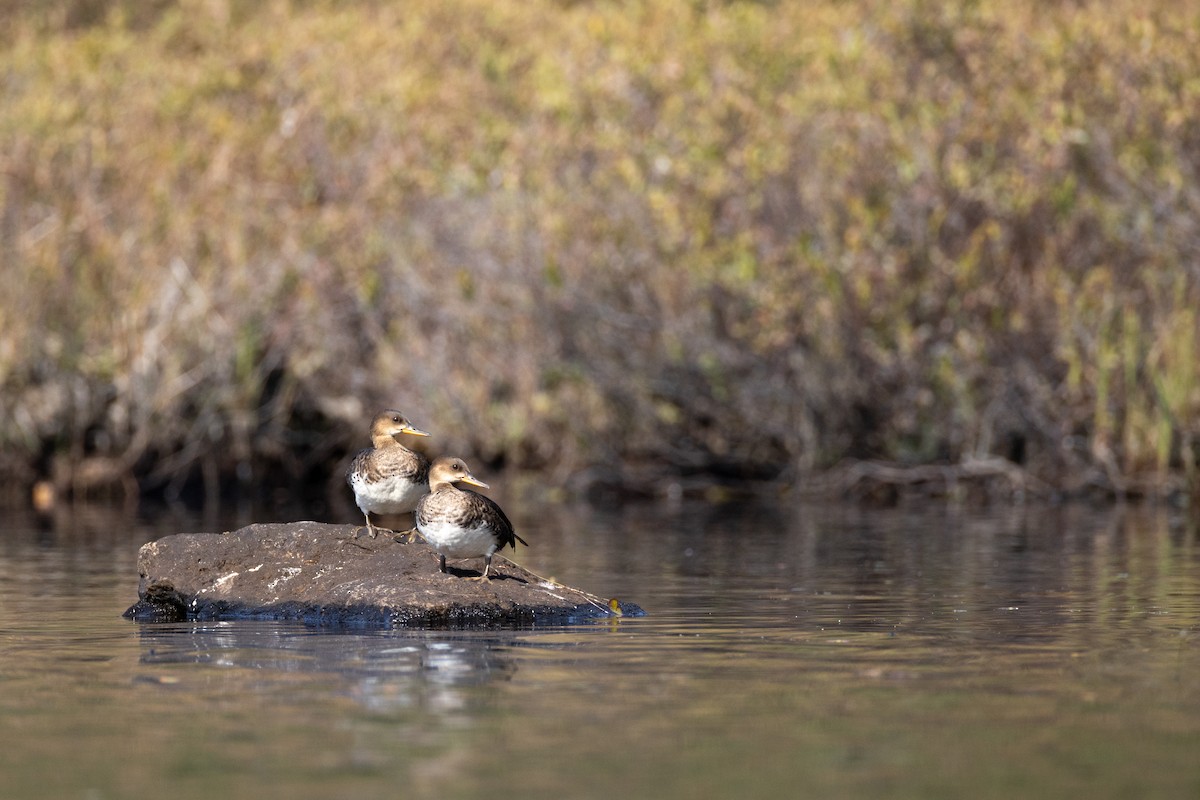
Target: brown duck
458, 522
388, 478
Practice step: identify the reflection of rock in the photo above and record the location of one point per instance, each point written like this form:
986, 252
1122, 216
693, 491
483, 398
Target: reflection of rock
383, 671
323, 575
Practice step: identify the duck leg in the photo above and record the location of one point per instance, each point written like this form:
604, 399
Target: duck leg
372, 529
409, 536
369, 527
487, 567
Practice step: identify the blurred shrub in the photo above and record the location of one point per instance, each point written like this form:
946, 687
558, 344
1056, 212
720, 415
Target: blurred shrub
608, 241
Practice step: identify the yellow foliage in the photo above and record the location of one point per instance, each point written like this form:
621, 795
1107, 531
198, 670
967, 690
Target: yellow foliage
570, 233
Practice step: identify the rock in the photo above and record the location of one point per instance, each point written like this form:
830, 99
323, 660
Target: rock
323, 575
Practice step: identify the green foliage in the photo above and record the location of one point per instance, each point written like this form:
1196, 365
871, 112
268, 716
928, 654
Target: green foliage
733, 237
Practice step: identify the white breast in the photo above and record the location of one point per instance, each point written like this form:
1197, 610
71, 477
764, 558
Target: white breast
391, 496
455, 541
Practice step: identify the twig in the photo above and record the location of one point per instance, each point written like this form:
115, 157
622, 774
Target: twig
609, 607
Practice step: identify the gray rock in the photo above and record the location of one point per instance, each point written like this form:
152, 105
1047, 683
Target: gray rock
323, 575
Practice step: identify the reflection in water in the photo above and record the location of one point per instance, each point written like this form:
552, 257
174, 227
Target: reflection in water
384, 671
787, 650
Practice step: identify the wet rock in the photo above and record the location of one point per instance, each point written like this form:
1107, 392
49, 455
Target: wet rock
323, 575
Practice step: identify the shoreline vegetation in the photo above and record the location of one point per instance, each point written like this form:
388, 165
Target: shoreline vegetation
845, 247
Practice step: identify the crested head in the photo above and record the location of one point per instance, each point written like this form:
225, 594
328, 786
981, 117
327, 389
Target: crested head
449, 470
389, 424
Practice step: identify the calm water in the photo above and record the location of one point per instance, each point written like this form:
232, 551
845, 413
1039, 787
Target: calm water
788, 652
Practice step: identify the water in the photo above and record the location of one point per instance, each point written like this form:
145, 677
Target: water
788, 652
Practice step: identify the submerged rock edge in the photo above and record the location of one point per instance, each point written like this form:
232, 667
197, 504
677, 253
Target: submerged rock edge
465, 616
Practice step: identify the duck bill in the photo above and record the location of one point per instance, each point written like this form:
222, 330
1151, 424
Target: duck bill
413, 431
471, 479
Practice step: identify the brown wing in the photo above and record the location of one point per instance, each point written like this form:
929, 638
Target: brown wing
497, 521
358, 464
377, 465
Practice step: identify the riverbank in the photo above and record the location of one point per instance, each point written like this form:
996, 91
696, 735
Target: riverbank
608, 244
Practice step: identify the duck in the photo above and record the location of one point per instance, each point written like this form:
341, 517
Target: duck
460, 523
388, 478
